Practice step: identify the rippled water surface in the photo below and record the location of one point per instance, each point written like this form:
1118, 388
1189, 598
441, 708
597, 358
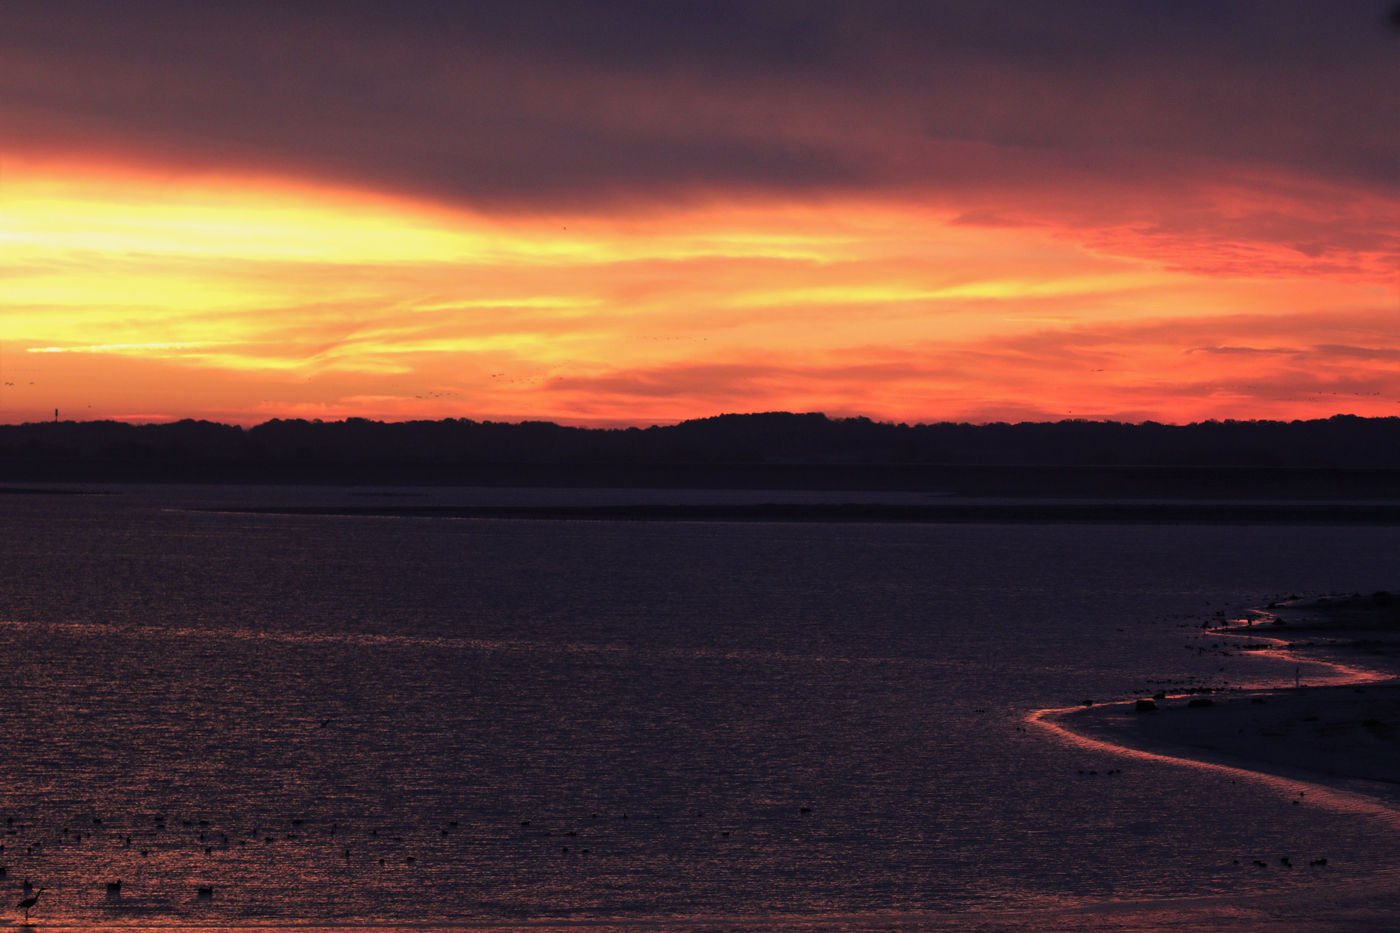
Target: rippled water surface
443, 722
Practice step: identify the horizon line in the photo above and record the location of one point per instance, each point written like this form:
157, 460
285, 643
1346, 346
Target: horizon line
138, 422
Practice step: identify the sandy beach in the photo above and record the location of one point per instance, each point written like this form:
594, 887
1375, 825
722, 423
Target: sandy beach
1343, 732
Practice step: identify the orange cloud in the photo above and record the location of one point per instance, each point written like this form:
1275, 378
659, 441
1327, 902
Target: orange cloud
247, 298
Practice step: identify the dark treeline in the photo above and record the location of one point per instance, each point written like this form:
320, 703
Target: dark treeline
1340, 442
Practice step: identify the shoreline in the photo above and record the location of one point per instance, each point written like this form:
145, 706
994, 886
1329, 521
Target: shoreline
1334, 742
947, 510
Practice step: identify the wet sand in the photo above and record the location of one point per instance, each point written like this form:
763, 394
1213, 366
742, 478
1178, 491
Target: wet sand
1335, 744
1344, 730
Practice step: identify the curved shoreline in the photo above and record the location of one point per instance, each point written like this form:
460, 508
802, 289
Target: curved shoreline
1336, 744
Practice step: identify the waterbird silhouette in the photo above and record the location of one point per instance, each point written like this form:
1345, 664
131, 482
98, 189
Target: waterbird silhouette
28, 903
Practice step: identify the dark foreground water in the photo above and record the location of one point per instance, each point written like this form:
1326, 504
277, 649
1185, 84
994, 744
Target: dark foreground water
440, 722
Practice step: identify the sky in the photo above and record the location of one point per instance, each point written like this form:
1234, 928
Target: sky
631, 213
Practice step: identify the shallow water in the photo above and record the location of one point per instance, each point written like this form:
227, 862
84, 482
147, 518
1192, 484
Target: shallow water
481, 723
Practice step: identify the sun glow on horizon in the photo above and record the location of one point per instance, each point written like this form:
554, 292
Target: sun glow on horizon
244, 298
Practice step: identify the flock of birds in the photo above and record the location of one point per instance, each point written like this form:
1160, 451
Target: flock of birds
151, 841
1287, 862
182, 841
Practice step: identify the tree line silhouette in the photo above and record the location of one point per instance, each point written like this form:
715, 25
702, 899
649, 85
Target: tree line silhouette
773, 438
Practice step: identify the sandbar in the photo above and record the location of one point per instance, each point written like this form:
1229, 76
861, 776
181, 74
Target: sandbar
1344, 732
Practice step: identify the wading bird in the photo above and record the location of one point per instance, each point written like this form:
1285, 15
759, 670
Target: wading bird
29, 902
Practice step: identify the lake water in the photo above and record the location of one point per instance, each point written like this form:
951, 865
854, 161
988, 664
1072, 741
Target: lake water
450, 723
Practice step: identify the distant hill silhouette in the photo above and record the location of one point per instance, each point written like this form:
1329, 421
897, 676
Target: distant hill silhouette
777, 448
771, 437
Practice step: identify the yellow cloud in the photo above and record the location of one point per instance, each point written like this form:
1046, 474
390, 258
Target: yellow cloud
241, 295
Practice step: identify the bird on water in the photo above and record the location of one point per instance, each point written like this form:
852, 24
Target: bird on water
29, 902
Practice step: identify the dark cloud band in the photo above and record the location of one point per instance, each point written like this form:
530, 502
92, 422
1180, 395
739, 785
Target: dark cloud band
531, 103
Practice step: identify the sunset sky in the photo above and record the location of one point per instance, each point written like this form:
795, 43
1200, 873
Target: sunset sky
640, 212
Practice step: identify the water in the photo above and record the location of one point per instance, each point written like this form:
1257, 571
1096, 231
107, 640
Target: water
486, 723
